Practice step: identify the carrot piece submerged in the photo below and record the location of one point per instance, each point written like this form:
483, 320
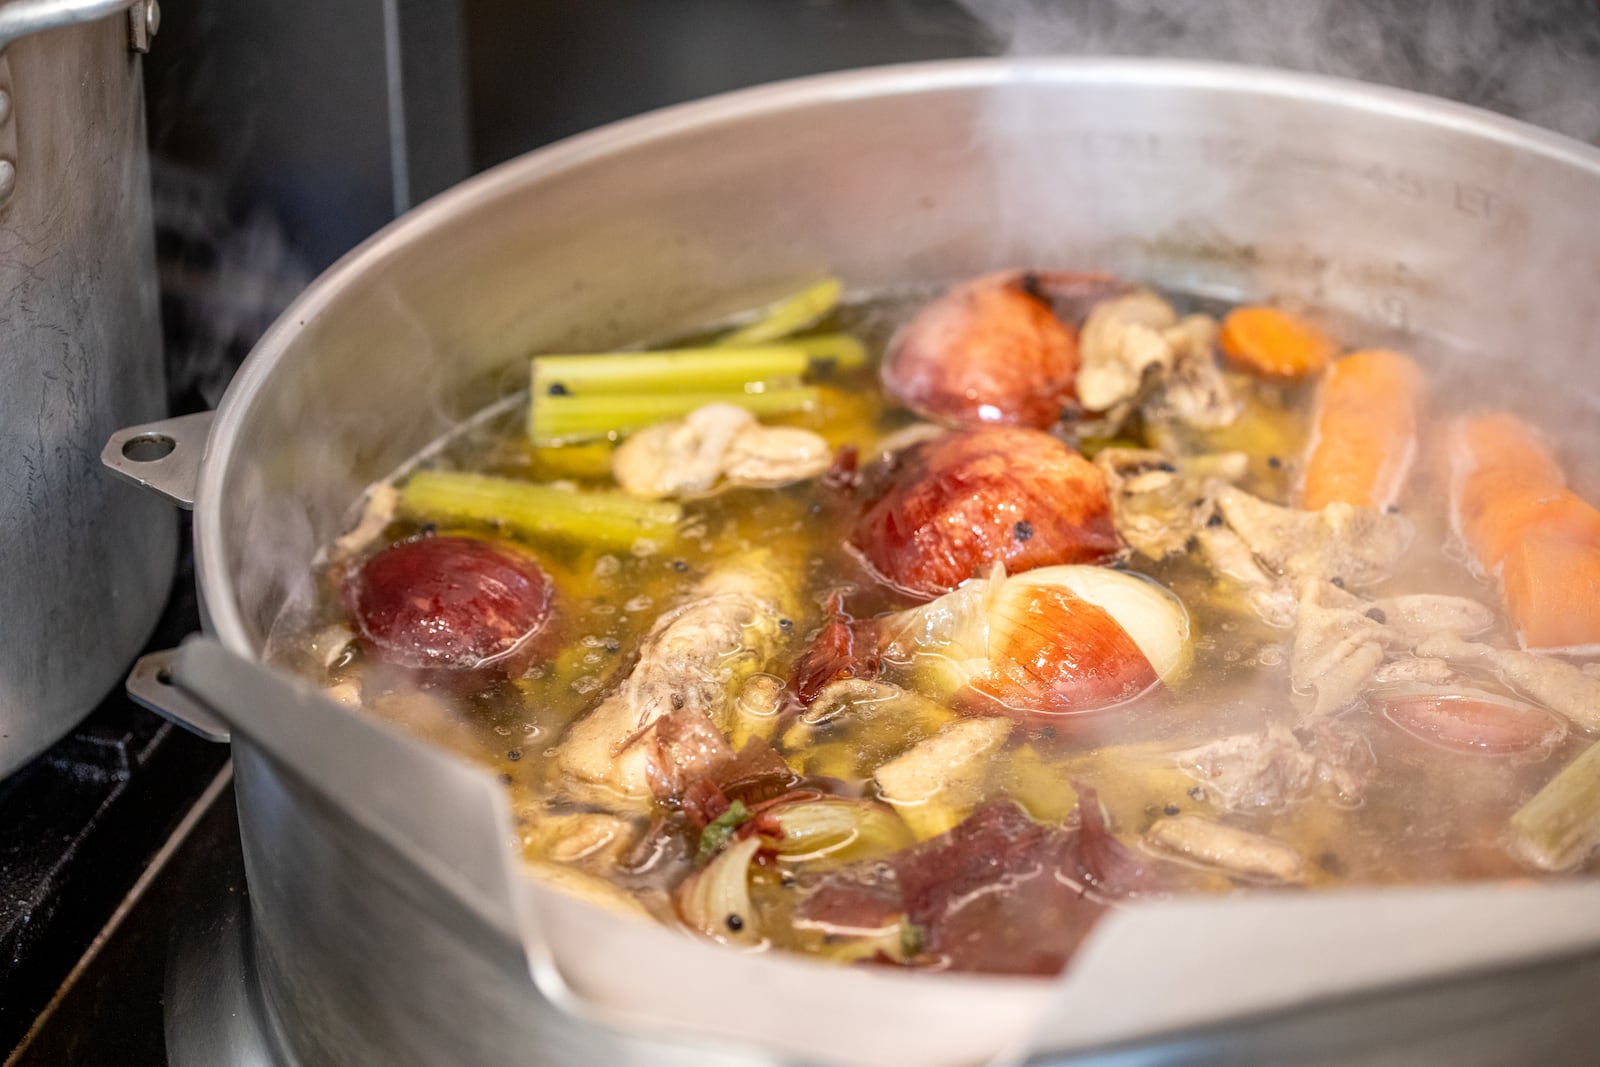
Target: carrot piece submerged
1274, 343
1364, 439
1511, 507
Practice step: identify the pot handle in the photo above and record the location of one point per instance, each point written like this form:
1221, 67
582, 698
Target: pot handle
163, 457
23, 18
444, 815
151, 685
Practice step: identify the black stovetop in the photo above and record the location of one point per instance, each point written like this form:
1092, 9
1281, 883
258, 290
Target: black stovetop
80, 828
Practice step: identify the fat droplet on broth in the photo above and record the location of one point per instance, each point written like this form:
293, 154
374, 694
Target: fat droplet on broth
607, 566
588, 683
639, 603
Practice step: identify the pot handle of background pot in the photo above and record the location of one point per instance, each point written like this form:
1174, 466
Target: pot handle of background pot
24, 18
163, 457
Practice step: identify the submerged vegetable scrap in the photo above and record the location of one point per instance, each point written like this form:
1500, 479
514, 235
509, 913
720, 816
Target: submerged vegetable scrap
874, 663
947, 509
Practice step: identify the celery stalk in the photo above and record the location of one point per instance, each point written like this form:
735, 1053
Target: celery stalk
554, 420
1559, 826
709, 369
791, 314
613, 520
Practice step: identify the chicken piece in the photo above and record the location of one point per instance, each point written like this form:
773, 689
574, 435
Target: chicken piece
691, 661
1194, 392
1121, 348
1419, 670
1356, 545
939, 781
1410, 619
712, 443
1226, 553
1557, 684
378, 510
1342, 759
1158, 501
1271, 770
1266, 771
1337, 646
595, 836
1235, 852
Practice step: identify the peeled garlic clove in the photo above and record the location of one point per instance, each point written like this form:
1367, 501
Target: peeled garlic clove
716, 901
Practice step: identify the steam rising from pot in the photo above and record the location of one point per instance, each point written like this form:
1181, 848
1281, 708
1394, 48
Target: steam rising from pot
1539, 62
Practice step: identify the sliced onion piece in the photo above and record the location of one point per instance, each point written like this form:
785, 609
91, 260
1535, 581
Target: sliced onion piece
1047, 642
716, 901
452, 603
838, 829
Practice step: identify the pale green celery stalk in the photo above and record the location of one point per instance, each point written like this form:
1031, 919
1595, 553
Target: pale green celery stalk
557, 420
1559, 826
709, 369
612, 520
791, 314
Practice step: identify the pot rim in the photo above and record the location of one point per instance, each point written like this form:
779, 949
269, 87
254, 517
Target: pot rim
980, 73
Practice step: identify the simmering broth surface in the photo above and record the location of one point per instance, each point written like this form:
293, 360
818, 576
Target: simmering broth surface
1366, 800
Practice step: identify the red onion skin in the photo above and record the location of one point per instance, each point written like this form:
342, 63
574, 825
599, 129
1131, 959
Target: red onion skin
952, 507
452, 604
988, 351
1058, 655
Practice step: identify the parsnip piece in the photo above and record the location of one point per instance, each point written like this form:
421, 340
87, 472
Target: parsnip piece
1229, 849
939, 781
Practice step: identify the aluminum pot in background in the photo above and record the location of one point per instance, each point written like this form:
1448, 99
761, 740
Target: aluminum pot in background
85, 562
1426, 219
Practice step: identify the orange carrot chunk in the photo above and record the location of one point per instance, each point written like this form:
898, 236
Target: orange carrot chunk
1275, 344
1365, 436
1513, 511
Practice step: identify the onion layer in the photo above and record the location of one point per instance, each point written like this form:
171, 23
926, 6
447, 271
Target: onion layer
1053, 641
988, 351
955, 505
453, 603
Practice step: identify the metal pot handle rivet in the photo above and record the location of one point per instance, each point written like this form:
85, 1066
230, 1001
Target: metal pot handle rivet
163, 457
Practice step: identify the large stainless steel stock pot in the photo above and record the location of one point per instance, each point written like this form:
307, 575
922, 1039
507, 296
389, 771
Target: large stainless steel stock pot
391, 923
85, 563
